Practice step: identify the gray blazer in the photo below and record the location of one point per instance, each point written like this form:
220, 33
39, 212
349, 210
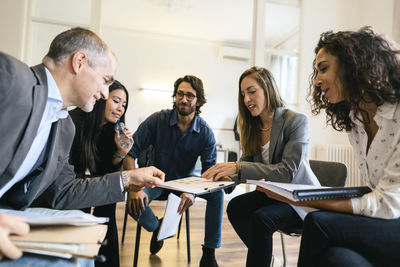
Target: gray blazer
23, 96
288, 152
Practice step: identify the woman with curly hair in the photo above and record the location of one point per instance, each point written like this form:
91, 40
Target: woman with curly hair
356, 79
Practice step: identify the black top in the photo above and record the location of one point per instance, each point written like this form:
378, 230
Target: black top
105, 147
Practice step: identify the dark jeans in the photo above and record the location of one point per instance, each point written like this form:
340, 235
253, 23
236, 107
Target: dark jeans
339, 239
255, 218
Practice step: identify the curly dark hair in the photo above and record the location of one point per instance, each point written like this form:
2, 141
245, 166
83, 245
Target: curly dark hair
197, 85
368, 64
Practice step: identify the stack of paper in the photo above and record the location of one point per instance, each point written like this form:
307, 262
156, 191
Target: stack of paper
65, 234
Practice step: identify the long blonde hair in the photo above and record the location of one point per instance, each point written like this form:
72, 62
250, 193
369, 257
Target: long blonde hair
249, 126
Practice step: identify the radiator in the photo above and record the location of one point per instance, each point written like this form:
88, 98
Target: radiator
340, 153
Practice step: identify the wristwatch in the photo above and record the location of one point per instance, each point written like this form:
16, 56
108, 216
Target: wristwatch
124, 179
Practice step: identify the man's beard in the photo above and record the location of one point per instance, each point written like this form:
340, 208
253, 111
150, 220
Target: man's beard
186, 113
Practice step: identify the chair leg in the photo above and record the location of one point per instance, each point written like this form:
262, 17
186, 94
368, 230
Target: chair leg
188, 235
283, 249
179, 229
137, 243
124, 226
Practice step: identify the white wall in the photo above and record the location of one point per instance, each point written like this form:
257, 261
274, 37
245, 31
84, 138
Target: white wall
12, 23
156, 61
320, 16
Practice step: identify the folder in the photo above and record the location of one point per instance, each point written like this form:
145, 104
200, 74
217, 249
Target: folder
63, 241
196, 185
61, 233
301, 192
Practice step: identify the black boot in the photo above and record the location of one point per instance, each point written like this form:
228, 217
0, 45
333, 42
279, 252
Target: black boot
208, 258
155, 245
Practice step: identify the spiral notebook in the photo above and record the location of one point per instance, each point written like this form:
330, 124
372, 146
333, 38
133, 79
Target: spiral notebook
301, 192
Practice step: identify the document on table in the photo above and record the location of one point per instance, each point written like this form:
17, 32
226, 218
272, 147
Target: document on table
170, 223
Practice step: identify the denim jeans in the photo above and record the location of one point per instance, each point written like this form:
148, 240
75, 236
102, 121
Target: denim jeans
361, 240
255, 218
214, 212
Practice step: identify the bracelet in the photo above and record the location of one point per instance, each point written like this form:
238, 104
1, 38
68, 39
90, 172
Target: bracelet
124, 179
237, 165
116, 155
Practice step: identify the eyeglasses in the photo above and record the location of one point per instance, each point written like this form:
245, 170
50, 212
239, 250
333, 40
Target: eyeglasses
189, 96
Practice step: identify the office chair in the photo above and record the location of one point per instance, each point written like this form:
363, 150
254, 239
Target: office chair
145, 159
329, 173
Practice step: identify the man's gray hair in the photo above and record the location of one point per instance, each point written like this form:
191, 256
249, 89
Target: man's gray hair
76, 39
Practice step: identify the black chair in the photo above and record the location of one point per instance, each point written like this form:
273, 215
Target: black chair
145, 159
329, 173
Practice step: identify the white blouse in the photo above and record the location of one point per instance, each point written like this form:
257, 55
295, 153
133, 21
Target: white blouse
380, 168
265, 153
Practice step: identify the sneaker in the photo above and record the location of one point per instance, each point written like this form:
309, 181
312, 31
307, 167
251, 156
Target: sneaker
208, 258
275, 262
155, 245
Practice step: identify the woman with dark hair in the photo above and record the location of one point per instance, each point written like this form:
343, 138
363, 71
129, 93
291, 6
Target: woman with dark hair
356, 79
96, 149
275, 142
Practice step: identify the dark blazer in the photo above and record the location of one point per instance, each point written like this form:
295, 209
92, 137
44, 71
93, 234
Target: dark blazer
288, 152
23, 96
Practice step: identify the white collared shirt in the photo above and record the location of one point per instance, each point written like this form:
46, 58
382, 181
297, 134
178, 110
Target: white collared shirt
380, 168
52, 113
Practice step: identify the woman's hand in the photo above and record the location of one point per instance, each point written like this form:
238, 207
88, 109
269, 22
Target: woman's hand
275, 196
220, 170
120, 150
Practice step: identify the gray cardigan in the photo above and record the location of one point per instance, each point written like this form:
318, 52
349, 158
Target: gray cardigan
288, 153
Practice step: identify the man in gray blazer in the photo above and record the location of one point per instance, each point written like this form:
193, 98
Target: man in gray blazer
36, 132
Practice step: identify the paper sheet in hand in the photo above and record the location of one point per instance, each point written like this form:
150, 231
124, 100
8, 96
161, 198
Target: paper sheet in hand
195, 185
301, 192
171, 219
41, 216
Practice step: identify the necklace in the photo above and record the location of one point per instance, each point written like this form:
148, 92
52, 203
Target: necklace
266, 129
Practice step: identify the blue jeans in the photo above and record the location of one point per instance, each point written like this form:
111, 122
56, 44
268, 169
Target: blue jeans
360, 240
214, 212
255, 218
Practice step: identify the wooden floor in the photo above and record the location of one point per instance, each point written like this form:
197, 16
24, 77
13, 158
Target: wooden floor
231, 254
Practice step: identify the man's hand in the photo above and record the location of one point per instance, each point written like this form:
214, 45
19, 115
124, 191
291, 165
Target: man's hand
220, 170
186, 202
11, 225
137, 201
139, 178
